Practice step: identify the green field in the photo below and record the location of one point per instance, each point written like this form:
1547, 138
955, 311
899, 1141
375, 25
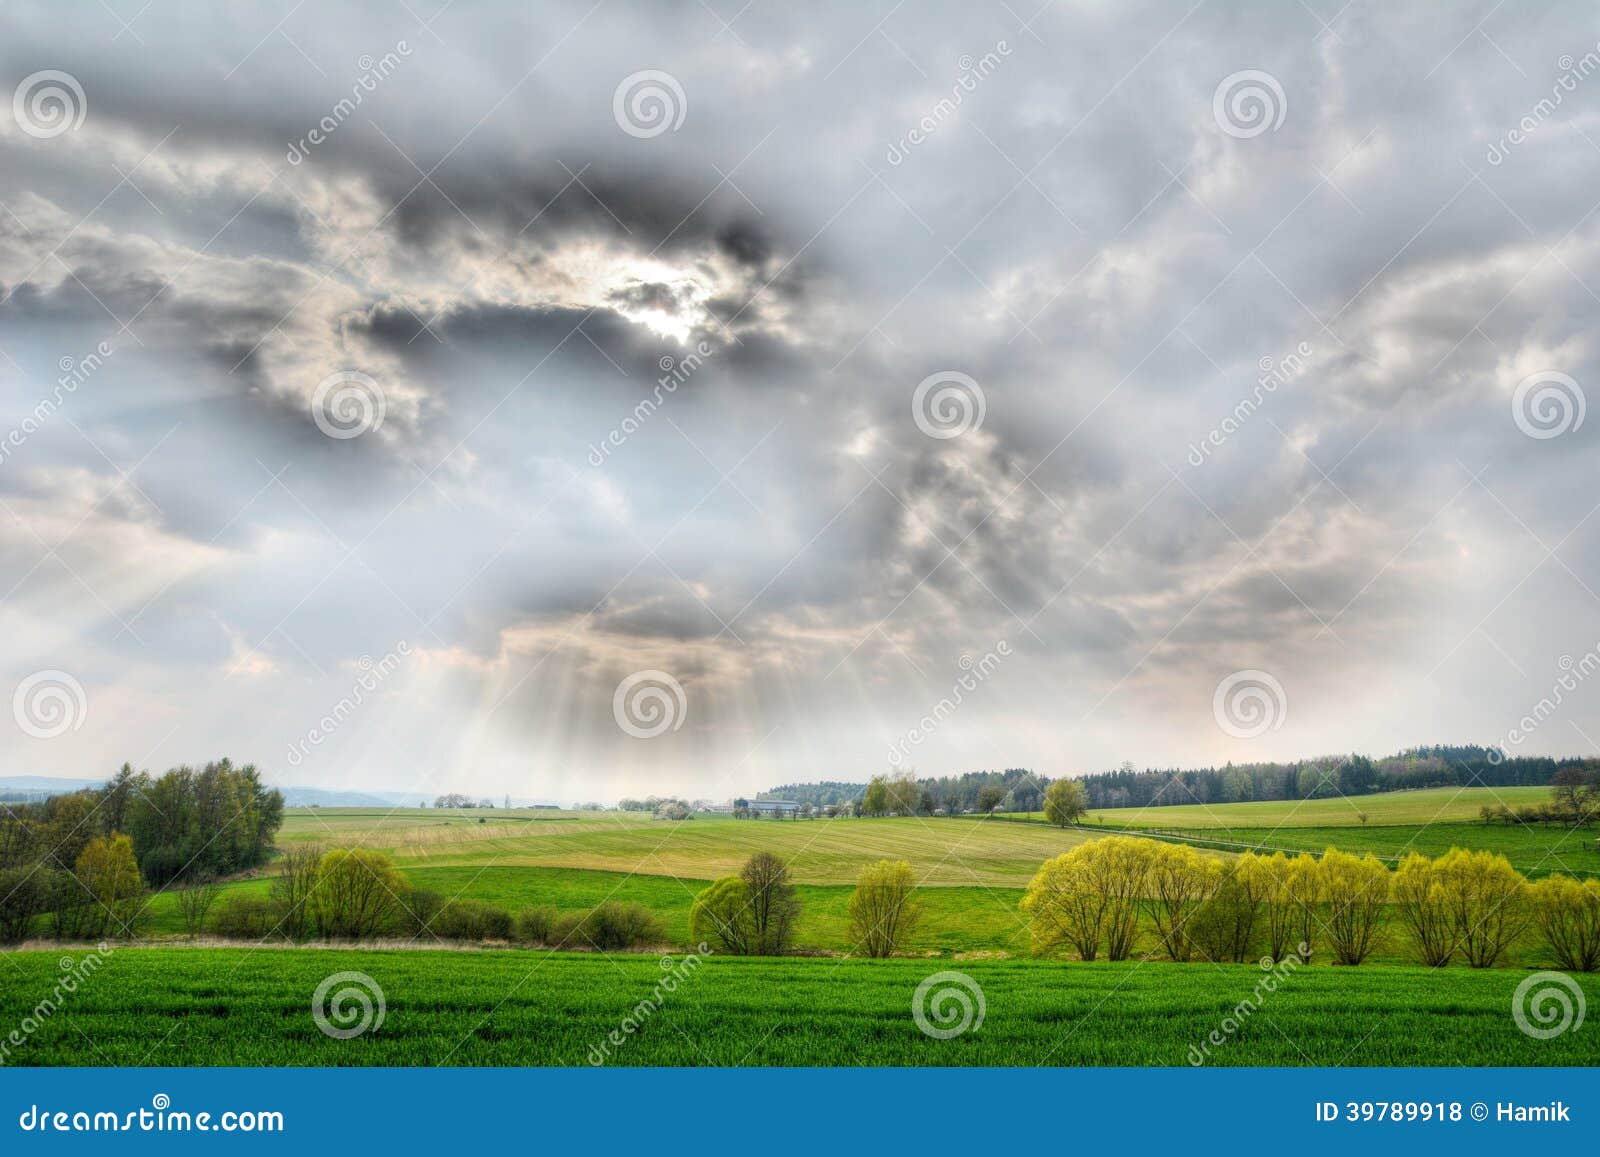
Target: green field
966, 851
1430, 805
252, 1007
1430, 822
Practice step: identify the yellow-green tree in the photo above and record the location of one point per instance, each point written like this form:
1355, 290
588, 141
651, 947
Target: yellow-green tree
722, 916
1568, 913
108, 873
1356, 891
1421, 899
357, 893
1487, 899
882, 909
1225, 925
1180, 880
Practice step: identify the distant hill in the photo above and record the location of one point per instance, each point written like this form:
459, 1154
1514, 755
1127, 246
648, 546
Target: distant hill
32, 788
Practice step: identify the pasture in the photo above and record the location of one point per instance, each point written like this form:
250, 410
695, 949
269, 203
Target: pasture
242, 1006
967, 851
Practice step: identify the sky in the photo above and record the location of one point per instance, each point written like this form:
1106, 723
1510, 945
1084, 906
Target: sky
599, 399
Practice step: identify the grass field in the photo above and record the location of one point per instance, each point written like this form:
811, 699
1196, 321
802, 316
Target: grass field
1430, 805
1430, 822
966, 851
242, 1007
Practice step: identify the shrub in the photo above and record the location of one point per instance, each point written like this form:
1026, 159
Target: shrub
415, 914
721, 916
882, 911
245, 916
1568, 913
1420, 899
1487, 900
356, 893
616, 925
471, 920
1357, 894
535, 925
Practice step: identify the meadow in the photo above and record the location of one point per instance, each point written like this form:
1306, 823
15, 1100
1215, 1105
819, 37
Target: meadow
1430, 821
242, 1006
174, 1001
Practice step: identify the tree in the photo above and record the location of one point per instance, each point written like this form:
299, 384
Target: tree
989, 797
194, 903
1487, 901
1357, 894
1090, 896
1575, 793
1424, 909
1224, 926
952, 805
875, 800
1065, 802
902, 794
773, 907
1181, 879
110, 876
882, 910
291, 890
25, 893
721, 916
1568, 913
356, 893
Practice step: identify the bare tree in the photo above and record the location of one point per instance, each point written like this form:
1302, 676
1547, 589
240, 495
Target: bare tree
291, 891
195, 903
773, 908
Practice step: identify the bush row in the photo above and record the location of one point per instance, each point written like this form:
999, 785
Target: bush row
1470, 905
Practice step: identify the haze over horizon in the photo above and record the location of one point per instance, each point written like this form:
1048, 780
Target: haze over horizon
590, 403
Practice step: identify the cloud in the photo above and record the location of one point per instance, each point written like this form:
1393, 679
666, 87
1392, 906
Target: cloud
630, 403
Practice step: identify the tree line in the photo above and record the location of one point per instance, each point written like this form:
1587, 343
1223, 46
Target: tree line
1467, 905
86, 859
1334, 775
